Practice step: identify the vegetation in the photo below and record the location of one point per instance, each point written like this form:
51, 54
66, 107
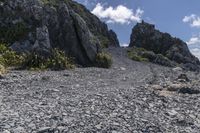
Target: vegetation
137, 54
57, 61
103, 60
53, 3
103, 41
9, 58
13, 32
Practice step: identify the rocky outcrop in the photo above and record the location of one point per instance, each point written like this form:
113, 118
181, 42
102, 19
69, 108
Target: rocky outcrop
98, 28
145, 36
40, 25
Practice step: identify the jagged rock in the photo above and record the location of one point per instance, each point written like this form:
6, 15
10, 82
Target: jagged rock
40, 26
145, 35
177, 69
99, 29
183, 78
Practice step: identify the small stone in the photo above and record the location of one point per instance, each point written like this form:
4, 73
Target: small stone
6, 131
98, 126
82, 124
122, 68
176, 69
19, 130
44, 129
183, 78
172, 112
156, 87
66, 75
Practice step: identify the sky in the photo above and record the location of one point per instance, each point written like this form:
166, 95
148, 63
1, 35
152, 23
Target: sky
180, 18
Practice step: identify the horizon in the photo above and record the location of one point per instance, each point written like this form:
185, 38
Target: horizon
121, 16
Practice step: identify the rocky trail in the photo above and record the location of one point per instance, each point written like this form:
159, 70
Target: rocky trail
130, 97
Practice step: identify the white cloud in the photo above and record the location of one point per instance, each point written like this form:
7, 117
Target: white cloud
193, 19
124, 45
119, 14
194, 40
196, 52
194, 45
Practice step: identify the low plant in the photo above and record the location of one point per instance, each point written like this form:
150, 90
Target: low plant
103, 60
56, 61
136, 54
9, 57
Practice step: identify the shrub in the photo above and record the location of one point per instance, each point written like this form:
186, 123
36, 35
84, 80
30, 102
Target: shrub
103, 60
136, 54
9, 57
57, 61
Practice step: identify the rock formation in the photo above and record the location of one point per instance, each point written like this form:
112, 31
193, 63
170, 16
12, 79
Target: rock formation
39, 25
145, 36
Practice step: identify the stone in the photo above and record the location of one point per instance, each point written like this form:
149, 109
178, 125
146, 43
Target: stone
175, 87
183, 78
156, 87
6, 131
122, 68
177, 69
44, 130
99, 127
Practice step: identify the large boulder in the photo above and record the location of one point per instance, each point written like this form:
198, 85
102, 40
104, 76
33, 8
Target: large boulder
40, 25
145, 36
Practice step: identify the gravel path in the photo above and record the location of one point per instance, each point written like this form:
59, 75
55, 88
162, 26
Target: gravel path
90, 100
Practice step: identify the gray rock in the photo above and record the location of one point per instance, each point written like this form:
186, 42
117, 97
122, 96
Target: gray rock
42, 43
61, 25
145, 36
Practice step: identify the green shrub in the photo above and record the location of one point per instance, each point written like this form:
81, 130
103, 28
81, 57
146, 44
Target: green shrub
136, 54
103, 60
9, 57
57, 61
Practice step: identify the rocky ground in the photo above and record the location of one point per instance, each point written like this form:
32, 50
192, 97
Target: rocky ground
130, 97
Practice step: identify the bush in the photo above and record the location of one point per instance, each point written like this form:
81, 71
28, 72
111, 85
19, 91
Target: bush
103, 60
9, 57
136, 54
57, 61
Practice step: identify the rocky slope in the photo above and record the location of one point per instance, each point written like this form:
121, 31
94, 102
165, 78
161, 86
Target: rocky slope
40, 25
129, 97
145, 36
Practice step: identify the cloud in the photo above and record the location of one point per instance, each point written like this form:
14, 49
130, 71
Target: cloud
119, 14
194, 40
194, 45
124, 45
195, 52
193, 19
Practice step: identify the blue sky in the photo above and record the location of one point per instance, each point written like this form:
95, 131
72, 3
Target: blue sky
180, 18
